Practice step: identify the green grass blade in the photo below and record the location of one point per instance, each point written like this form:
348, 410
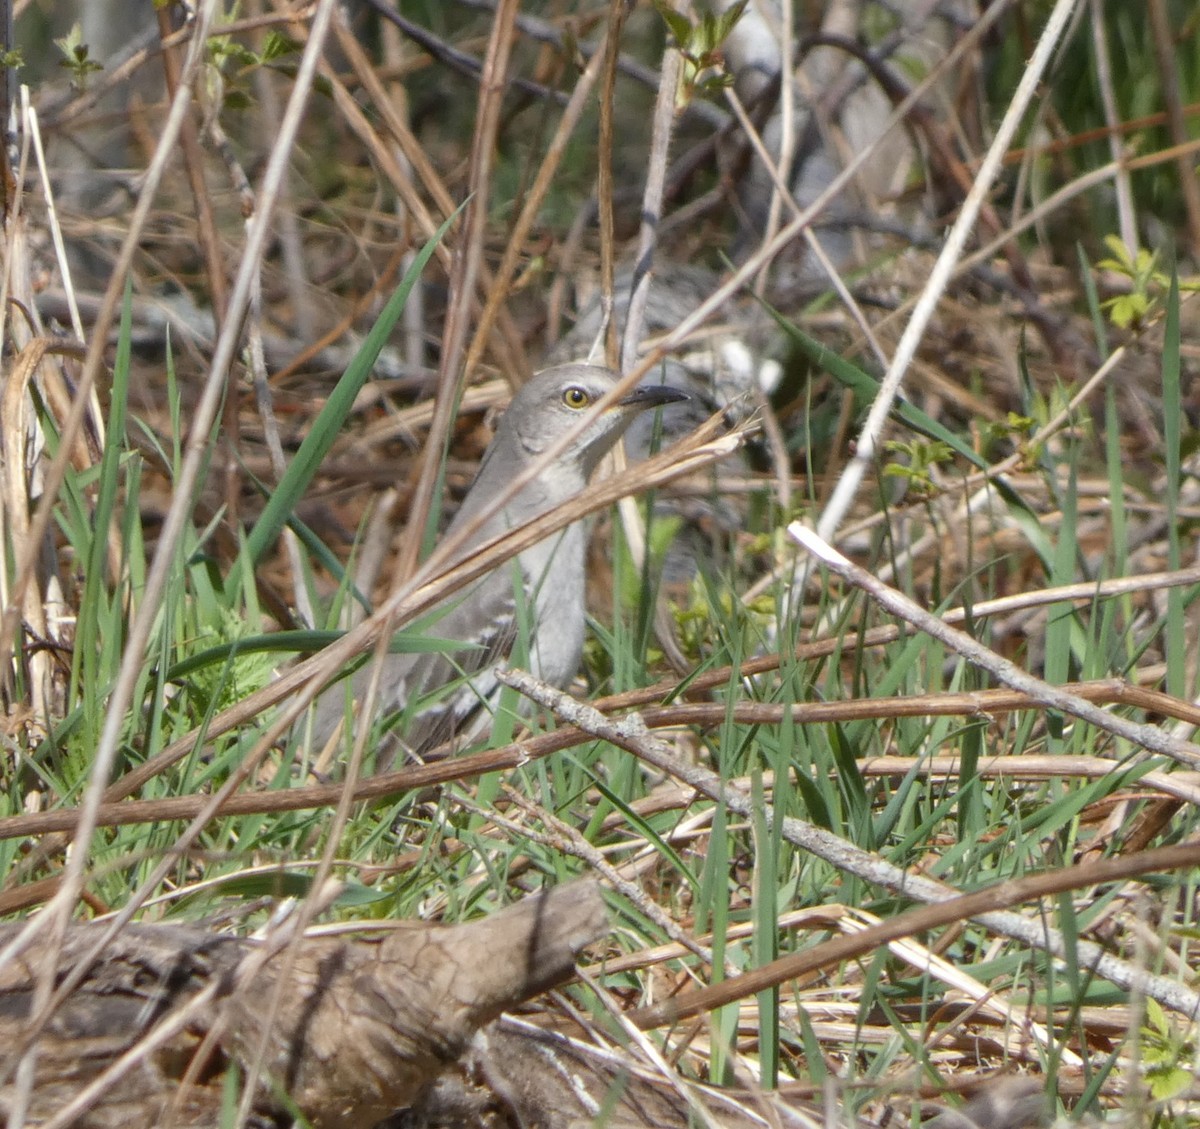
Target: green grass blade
1176, 643
866, 388
324, 431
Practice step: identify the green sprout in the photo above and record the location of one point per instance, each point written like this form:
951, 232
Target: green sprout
701, 45
920, 457
76, 57
1167, 1054
1148, 285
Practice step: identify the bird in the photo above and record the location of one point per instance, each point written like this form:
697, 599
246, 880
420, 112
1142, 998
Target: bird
538, 597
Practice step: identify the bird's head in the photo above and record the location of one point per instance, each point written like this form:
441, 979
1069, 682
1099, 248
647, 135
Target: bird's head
554, 403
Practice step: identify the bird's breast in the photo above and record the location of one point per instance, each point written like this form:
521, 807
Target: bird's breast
554, 573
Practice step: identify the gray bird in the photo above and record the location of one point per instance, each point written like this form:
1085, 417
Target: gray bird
538, 596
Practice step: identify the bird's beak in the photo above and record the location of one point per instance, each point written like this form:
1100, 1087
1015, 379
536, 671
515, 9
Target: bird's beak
651, 396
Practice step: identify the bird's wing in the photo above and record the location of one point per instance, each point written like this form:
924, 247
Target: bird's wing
462, 685
511, 604
425, 697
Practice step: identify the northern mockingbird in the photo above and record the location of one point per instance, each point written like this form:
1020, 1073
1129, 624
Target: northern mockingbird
538, 597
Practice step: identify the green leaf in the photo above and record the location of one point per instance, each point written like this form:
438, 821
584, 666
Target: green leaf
70, 42
1124, 261
728, 20
1168, 1083
277, 45
678, 24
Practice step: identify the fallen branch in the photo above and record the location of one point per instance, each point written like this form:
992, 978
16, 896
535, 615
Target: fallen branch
364, 1024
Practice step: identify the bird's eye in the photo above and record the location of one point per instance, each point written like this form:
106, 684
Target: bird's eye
575, 397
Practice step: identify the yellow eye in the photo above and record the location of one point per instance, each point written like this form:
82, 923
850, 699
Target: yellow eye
575, 397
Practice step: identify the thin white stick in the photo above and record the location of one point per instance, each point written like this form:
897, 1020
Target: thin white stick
60, 248
1122, 180
856, 469
1006, 672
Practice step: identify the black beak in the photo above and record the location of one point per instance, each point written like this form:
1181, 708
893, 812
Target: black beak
652, 396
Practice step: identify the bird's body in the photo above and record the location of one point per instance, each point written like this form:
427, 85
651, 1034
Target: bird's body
538, 597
